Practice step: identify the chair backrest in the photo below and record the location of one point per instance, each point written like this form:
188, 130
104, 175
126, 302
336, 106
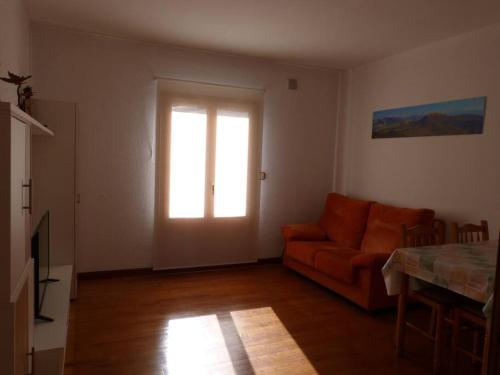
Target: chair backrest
423, 235
469, 232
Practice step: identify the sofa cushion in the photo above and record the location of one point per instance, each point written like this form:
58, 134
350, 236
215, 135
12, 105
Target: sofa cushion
383, 231
303, 232
305, 251
344, 220
336, 263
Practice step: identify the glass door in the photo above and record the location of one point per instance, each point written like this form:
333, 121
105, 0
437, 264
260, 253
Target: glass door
210, 182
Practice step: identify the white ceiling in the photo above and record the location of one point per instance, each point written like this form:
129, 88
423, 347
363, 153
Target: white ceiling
330, 33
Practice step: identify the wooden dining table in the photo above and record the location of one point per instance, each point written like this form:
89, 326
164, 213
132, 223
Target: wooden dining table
466, 269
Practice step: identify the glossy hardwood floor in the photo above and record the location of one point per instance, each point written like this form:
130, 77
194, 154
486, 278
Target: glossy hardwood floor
247, 320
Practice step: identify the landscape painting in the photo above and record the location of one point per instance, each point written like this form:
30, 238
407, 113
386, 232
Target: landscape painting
465, 116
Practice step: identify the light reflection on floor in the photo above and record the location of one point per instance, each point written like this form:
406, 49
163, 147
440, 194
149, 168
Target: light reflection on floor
196, 346
252, 341
268, 344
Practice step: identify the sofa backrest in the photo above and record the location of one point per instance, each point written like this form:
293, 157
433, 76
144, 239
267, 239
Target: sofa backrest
383, 229
344, 219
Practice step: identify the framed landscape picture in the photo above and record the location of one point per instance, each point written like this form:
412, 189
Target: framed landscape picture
465, 116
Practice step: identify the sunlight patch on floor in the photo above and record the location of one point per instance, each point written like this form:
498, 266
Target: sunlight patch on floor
268, 344
196, 346
252, 341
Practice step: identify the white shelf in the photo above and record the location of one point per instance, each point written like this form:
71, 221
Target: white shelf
36, 127
52, 335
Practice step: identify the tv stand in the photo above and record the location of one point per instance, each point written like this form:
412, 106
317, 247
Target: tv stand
43, 319
51, 336
46, 281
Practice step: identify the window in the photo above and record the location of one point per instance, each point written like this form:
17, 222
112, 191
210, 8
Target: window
208, 161
188, 134
231, 164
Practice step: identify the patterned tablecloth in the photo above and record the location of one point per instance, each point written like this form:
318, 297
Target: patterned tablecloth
467, 269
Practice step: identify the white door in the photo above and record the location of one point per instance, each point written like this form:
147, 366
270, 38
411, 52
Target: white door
20, 199
208, 184
22, 330
20, 251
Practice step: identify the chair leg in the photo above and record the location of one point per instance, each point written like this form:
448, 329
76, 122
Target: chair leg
432, 324
401, 321
486, 347
455, 340
438, 345
475, 343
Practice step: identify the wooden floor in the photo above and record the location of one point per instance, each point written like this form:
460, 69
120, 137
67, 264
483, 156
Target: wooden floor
251, 320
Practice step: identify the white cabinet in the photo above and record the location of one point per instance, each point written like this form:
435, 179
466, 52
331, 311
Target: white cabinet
16, 266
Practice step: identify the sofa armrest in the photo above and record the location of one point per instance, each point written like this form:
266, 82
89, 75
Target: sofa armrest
370, 260
304, 232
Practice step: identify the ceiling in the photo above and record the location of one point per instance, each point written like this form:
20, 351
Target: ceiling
329, 33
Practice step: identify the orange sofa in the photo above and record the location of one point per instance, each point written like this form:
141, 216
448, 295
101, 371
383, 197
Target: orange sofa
347, 249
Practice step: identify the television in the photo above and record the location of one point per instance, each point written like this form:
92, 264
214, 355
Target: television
40, 251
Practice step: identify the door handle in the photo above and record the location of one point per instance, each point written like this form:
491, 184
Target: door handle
32, 355
29, 185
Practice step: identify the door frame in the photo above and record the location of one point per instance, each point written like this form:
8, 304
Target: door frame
164, 101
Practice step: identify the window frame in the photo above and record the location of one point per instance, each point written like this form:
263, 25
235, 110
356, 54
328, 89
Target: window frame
212, 105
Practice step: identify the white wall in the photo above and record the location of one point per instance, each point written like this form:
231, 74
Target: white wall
458, 176
112, 81
14, 44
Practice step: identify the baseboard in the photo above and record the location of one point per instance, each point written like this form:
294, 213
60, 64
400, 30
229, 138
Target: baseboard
149, 271
114, 273
205, 267
276, 260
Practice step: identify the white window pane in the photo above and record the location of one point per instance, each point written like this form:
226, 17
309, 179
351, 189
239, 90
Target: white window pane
231, 164
187, 162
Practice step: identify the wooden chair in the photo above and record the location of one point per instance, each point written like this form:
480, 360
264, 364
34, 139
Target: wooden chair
492, 365
424, 235
470, 316
439, 300
469, 232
